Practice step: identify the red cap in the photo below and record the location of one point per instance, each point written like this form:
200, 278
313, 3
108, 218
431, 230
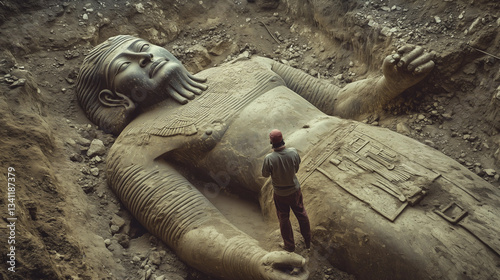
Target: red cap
275, 136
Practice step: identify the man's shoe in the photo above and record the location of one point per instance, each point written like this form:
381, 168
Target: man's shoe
282, 246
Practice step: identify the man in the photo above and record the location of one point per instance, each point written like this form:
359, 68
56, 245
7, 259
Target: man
281, 165
372, 190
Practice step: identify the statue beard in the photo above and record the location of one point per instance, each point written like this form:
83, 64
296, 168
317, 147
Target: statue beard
176, 83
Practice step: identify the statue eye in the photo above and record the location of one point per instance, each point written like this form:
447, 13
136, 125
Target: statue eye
144, 48
123, 66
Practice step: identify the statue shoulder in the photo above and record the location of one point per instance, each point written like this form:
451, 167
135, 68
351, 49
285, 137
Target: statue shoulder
264, 61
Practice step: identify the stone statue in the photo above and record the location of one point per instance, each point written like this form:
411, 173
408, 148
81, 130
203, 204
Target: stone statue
381, 204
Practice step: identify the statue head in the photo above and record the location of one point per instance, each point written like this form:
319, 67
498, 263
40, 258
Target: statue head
125, 73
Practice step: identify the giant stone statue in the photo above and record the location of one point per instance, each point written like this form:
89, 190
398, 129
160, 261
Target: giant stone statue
384, 205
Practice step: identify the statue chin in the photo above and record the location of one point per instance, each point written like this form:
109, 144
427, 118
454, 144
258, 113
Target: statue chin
172, 77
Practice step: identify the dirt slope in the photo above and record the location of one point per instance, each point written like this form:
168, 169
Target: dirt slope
71, 226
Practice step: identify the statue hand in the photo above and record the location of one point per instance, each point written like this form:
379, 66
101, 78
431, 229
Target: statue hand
280, 265
406, 68
184, 86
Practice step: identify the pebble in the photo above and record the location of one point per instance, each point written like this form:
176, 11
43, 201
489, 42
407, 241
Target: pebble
446, 116
430, 143
96, 148
94, 171
76, 157
70, 142
123, 239
85, 170
403, 128
117, 221
96, 159
139, 8
83, 141
490, 172
155, 258
114, 229
18, 83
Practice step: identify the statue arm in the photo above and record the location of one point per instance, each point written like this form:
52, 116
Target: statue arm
318, 92
400, 71
174, 210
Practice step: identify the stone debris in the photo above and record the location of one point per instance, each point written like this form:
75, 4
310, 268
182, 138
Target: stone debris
96, 148
94, 171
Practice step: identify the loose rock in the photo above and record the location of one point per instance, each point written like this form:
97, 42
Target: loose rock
96, 148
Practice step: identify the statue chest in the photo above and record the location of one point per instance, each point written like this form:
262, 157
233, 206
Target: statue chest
216, 107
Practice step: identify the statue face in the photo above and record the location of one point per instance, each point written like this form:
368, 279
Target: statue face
143, 71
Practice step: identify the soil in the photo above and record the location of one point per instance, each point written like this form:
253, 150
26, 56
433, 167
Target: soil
70, 225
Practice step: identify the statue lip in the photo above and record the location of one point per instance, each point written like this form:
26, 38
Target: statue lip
155, 66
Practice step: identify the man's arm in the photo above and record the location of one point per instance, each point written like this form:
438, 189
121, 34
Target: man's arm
298, 161
266, 170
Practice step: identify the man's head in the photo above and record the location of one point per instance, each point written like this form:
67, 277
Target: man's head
276, 139
126, 72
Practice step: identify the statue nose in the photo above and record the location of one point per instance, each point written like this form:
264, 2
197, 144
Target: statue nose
145, 59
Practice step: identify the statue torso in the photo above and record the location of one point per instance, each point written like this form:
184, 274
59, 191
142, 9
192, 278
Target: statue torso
225, 129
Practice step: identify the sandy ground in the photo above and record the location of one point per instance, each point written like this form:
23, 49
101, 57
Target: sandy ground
71, 226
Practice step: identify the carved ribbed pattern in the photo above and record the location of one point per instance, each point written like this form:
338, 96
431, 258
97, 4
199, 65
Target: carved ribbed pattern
320, 93
164, 202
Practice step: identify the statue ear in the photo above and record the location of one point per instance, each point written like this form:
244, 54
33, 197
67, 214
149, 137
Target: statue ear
114, 112
115, 99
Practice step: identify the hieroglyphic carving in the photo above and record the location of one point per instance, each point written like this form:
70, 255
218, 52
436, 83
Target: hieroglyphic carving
373, 173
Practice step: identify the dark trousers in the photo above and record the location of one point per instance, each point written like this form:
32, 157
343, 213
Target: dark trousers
283, 205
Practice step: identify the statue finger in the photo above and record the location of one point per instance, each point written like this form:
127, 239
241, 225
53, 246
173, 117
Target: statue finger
425, 68
198, 85
190, 88
177, 97
405, 49
410, 56
284, 258
393, 58
276, 274
420, 61
195, 87
197, 79
178, 87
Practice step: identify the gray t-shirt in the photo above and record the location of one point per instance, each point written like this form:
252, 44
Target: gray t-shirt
282, 165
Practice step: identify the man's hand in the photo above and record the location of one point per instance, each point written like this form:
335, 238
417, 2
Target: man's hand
407, 67
280, 265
